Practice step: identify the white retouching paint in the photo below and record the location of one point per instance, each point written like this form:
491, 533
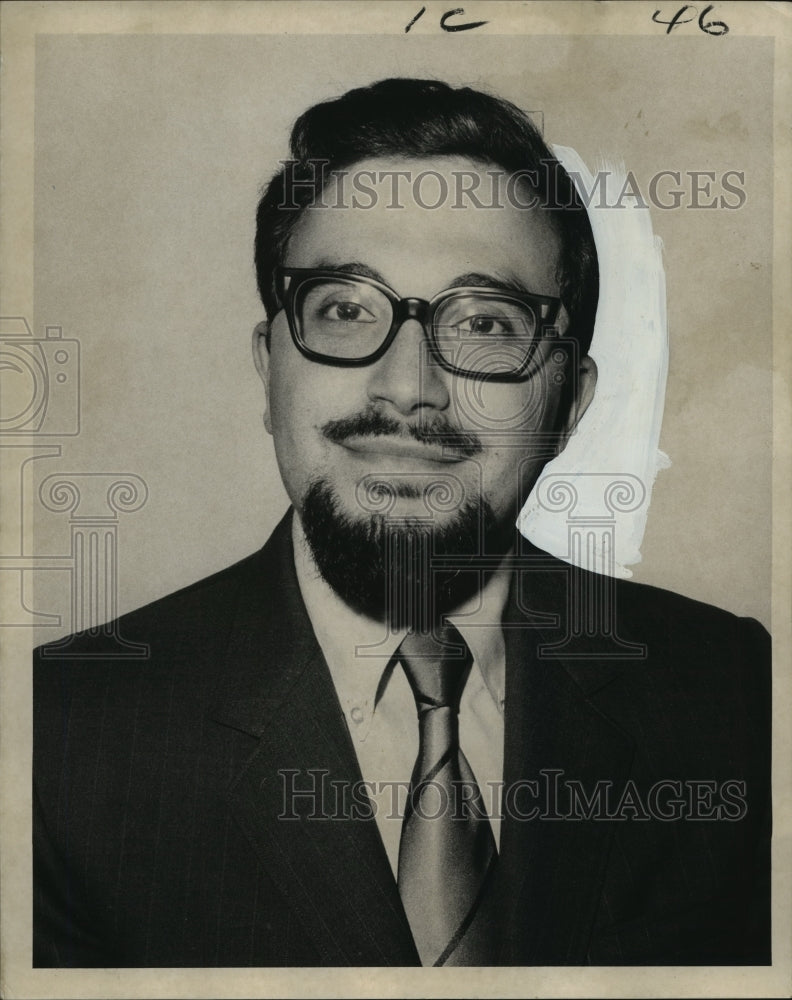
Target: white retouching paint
591, 503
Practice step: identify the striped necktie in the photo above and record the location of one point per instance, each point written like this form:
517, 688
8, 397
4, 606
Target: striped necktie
447, 852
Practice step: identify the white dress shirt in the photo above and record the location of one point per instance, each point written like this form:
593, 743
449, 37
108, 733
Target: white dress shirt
385, 732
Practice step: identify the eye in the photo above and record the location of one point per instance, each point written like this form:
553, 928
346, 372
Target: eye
347, 312
470, 315
486, 326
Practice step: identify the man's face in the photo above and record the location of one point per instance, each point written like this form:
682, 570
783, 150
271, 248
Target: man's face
418, 252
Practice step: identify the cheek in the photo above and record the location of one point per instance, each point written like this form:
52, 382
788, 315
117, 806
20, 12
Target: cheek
293, 381
512, 421
294, 409
281, 398
304, 396
501, 408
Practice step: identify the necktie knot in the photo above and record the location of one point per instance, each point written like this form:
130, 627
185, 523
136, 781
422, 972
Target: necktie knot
436, 664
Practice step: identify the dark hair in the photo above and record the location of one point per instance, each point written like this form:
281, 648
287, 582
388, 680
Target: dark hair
423, 118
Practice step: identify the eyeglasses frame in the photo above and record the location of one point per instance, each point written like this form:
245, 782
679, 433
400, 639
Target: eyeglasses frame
288, 281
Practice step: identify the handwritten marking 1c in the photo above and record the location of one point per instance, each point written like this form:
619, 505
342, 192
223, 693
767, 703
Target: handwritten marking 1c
445, 18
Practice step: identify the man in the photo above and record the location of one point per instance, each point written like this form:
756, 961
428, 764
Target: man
382, 740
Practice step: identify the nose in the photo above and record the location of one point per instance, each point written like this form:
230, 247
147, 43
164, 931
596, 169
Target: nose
406, 376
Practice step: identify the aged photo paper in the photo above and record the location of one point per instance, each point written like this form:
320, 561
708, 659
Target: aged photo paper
135, 142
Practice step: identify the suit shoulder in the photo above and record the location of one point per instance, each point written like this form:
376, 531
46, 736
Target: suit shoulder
162, 661
180, 638
183, 635
684, 617
204, 604
711, 662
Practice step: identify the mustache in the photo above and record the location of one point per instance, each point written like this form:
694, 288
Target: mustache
373, 423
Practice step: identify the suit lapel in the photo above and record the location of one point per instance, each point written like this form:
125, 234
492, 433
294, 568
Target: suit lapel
552, 869
320, 847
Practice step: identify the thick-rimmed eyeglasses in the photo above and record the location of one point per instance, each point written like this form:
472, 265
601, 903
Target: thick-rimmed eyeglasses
351, 320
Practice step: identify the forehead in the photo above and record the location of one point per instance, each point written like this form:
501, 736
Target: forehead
417, 223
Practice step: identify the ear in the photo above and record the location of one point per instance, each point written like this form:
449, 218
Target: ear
261, 359
586, 384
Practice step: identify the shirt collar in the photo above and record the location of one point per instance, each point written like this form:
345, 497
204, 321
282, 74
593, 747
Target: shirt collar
358, 649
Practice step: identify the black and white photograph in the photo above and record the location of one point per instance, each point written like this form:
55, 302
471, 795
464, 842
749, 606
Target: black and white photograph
396, 461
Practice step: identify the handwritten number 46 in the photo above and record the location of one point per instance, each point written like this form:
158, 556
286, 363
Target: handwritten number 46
710, 27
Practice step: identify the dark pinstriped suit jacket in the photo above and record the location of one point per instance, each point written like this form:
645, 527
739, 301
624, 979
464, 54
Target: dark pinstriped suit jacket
157, 786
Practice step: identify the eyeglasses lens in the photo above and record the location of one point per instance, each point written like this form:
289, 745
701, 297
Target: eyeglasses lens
343, 318
485, 334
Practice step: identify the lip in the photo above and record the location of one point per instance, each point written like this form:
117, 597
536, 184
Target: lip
391, 447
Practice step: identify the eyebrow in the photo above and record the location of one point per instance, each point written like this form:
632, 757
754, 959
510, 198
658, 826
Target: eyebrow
353, 267
475, 279
471, 279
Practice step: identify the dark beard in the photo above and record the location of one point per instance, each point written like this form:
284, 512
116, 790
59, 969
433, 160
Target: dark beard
390, 569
